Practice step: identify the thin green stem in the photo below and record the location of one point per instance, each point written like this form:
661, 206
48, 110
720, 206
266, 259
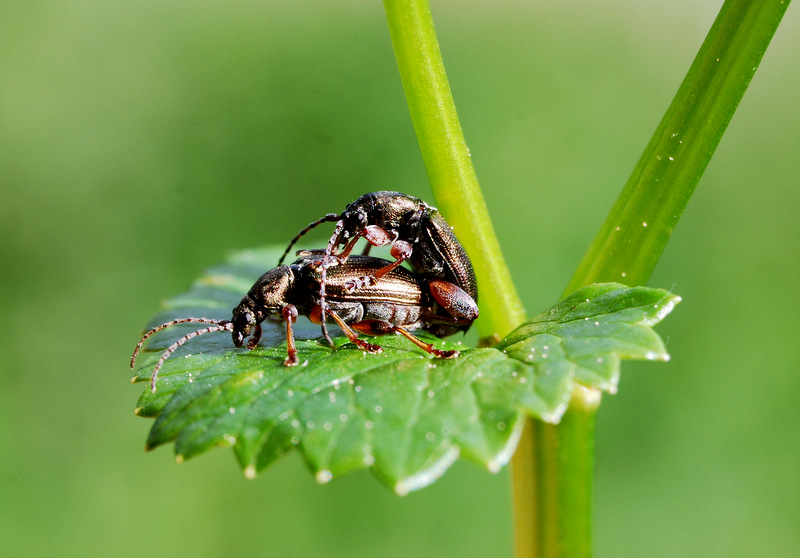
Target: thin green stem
553, 466
636, 231
448, 163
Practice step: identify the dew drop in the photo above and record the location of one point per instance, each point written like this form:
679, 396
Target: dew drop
430, 436
368, 425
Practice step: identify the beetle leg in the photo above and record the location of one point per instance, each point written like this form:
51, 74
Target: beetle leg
453, 300
348, 247
426, 346
289, 313
353, 336
255, 338
378, 236
381, 327
356, 283
401, 251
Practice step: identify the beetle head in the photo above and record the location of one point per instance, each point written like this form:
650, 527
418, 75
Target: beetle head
268, 295
354, 219
244, 320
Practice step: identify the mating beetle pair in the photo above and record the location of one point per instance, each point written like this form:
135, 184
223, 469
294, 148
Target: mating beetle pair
360, 293
415, 231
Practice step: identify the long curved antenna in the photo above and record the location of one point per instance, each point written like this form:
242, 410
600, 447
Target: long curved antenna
324, 277
165, 325
329, 218
222, 325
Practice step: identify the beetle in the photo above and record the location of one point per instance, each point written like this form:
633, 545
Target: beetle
415, 231
399, 303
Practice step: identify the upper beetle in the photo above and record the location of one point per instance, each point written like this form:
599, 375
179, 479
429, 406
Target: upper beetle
415, 231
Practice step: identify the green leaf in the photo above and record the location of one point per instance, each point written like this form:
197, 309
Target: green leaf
403, 414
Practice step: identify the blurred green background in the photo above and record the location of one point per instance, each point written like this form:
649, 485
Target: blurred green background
142, 141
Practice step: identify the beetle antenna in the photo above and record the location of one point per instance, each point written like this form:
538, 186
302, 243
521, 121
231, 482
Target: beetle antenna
329, 218
324, 277
163, 326
221, 325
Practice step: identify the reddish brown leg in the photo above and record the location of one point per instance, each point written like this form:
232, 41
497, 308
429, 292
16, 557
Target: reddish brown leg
289, 314
400, 251
380, 327
426, 346
345, 253
353, 336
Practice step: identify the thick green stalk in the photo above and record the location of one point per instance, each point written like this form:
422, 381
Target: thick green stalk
627, 248
448, 164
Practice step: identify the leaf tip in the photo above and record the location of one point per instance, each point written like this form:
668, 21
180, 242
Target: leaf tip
427, 476
663, 308
179, 458
494, 466
138, 411
323, 476
250, 472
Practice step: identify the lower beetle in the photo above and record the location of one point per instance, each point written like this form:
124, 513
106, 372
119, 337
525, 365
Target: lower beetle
416, 232
399, 303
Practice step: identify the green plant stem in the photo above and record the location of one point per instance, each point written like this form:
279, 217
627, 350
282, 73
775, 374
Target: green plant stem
561, 526
447, 162
636, 231
559, 459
